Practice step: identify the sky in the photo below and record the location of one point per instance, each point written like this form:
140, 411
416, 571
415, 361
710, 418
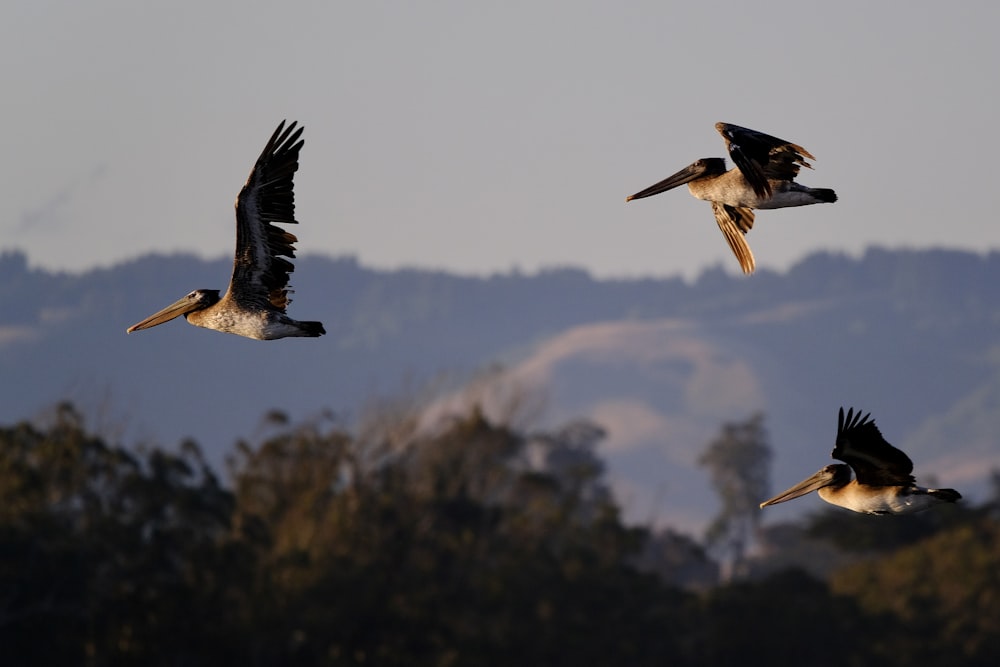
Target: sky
489, 137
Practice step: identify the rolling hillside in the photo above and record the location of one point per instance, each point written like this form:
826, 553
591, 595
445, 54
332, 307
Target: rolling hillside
912, 336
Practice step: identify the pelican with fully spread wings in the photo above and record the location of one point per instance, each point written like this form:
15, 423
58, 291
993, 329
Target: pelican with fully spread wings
764, 177
883, 481
254, 305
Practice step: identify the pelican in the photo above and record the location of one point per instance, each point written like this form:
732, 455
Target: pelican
883, 483
764, 177
254, 305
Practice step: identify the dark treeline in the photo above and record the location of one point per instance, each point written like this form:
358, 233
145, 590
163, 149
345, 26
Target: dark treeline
472, 544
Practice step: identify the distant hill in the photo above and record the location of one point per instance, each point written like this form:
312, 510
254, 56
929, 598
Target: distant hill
912, 336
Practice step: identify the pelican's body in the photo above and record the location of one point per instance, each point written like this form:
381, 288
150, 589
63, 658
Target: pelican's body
254, 305
881, 500
763, 178
731, 188
883, 482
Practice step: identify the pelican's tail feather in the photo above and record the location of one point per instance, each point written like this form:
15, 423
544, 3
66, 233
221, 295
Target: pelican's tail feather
312, 329
946, 495
824, 195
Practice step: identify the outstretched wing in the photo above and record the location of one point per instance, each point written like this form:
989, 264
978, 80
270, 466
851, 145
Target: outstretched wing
735, 223
260, 267
761, 157
875, 462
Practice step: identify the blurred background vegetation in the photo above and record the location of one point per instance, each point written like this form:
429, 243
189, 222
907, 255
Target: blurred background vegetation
469, 543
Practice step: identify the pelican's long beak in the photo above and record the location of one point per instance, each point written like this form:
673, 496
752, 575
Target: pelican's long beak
817, 481
180, 307
685, 175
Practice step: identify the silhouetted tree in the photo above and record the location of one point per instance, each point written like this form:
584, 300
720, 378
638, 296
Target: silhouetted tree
787, 618
943, 592
472, 543
111, 556
739, 463
678, 560
468, 544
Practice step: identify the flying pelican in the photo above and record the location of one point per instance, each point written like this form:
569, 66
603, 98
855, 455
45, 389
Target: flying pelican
883, 483
764, 177
254, 305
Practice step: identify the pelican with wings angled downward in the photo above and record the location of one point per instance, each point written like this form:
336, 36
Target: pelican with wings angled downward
764, 177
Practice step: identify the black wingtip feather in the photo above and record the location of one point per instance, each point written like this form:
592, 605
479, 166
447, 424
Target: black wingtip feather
851, 421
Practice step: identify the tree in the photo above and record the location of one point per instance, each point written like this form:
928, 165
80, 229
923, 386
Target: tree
471, 543
943, 593
739, 461
788, 618
114, 556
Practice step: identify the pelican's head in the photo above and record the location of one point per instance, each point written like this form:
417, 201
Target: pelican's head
196, 300
707, 166
835, 474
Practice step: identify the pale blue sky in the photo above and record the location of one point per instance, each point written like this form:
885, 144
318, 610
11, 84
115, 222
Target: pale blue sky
478, 137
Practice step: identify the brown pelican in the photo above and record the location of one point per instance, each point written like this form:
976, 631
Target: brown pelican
763, 178
883, 483
254, 305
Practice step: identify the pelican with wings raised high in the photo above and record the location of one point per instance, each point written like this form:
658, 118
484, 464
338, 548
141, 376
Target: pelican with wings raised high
254, 305
764, 177
883, 481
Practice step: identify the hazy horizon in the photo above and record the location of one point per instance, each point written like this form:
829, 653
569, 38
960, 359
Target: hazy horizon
483, 139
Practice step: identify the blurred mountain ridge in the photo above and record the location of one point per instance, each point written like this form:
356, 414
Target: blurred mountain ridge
661, 363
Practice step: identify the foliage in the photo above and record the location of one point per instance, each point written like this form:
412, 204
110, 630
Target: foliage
472, 544
944, 592
787, 619
103, 549
452, 549
469, 544
739, 462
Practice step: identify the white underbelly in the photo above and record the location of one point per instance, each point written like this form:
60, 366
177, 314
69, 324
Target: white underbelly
882, 500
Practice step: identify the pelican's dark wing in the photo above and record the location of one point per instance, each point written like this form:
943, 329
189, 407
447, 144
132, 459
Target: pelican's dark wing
735, 223
260, 270
875, 462
761, 157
